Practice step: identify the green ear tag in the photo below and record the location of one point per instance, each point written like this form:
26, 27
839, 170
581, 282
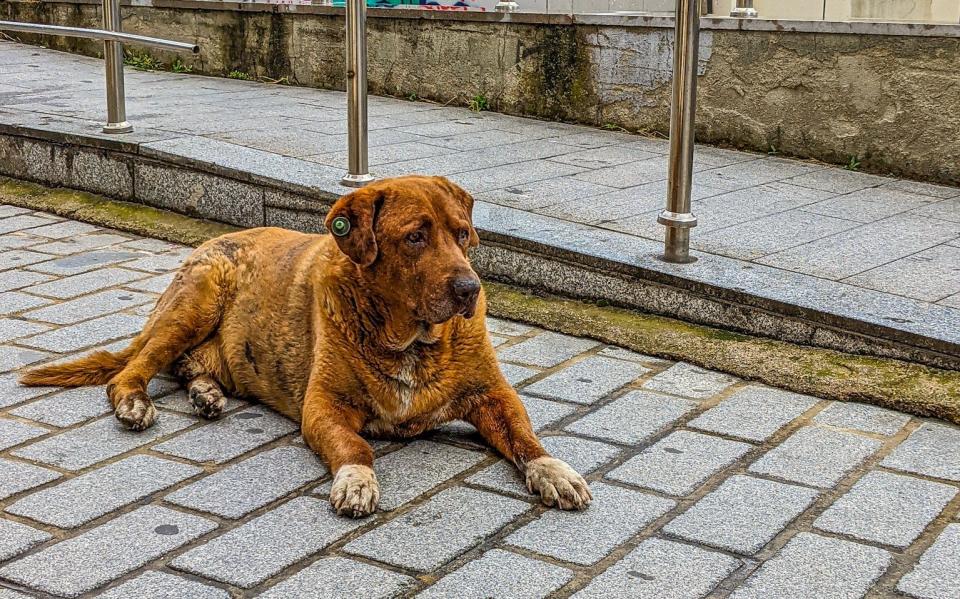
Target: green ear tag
340, 226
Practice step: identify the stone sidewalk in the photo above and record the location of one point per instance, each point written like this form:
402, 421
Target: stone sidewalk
854, 246
704, 485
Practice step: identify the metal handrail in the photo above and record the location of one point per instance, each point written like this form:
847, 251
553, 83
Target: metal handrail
98, 34
358, 172
113, 40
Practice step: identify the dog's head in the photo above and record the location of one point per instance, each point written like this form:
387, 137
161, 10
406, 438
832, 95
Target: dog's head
409, 236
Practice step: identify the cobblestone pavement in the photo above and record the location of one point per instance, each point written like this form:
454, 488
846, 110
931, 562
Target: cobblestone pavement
704, 485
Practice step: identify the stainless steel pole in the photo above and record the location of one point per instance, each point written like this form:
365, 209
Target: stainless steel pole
358, 173
743, 9
677, 217
113, 56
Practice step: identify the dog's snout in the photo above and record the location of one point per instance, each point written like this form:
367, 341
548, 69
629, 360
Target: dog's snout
465, 289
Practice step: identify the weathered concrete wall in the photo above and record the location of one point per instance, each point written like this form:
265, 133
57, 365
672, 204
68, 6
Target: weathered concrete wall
890, 100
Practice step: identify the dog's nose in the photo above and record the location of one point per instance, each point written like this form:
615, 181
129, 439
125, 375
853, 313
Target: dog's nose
465, 289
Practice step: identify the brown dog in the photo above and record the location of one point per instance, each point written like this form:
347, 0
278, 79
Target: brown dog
378, 329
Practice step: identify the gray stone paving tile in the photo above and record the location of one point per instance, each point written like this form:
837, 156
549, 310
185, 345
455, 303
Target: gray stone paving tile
756, 172
20, 258
516, 374
178, 401
68, 407
95, 280
742, 515
251, 484
159, 263
937, 574
769, 234
14, 432
432, 534
497, 340
12, 241
378, 155
14, 301
838, 180
79, 263
633, 418
6, 211
546, 349
868, 205
816, 456
15, 538
83, 563
617, 205
157, 284
6, 593
680, 462
18, 279
507, 327
87, 333
23, 221
249, 555
11, 328
953, 301
90, 306
499, 573
928, 189
12, 393
544, 193
929, 275
583, 456
160, 585
948, 210
74, 245
73, 406
862, 417
687, 380
12, 358
99, 440
151, 245
631, 356
79, 500
66, 228
931, 450
887, 508
544, 414
814, 566
416, 468
596, 158
857, 250
17, 476
230, 437
615, 515
657, 569
336, 577
518, 173
587, 381
754, 413
628, 175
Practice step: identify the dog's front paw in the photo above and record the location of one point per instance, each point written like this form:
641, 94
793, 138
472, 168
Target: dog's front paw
558, 484
355, 491
136, 412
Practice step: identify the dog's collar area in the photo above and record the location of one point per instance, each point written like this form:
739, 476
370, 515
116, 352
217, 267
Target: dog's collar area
340, 226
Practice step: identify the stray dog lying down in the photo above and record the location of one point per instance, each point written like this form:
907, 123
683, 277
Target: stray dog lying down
378, 329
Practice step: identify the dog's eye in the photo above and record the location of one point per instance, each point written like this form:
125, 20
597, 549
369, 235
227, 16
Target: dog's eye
415, 238
463, 236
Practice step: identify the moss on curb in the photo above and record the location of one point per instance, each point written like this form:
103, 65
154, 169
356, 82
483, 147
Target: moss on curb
123, 216
910, 388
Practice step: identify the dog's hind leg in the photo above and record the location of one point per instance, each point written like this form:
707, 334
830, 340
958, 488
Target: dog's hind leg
197, 370
186, 314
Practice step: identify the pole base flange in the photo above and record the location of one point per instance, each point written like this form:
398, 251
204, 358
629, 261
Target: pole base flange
357, 180
114, 128
680, 220
507, 7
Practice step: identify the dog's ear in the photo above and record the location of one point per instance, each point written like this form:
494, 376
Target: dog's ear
466, 202
351, 221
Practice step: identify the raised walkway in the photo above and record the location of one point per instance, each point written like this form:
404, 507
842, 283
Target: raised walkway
704, 485
795, 250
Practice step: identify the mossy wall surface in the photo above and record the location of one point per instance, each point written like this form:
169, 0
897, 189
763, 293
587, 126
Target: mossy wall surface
890, 101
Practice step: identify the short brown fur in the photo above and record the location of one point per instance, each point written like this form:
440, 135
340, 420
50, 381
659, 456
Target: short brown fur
380, 331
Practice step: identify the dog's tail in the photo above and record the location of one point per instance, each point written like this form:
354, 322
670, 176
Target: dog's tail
94, 369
